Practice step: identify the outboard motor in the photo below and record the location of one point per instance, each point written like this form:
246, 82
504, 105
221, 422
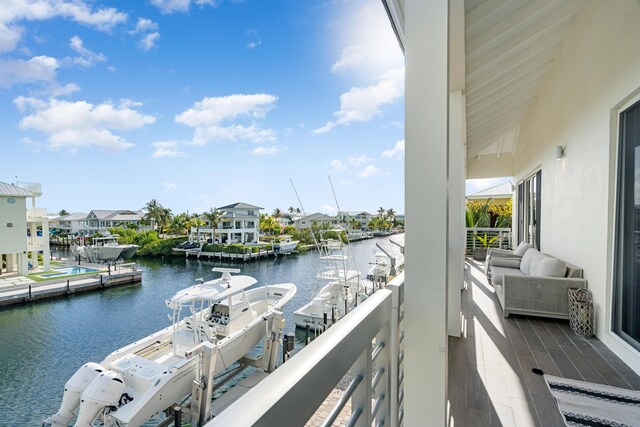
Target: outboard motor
104, 391
72, 391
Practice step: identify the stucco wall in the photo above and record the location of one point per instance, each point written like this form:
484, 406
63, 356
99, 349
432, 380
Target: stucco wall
598, 69
13, 239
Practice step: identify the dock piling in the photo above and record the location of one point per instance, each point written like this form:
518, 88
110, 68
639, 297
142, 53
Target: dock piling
30, 296
306, 334
177, 416
67, 286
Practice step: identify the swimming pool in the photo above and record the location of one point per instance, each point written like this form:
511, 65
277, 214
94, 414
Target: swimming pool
69, 271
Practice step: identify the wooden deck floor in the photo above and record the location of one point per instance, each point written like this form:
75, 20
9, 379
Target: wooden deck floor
490, 378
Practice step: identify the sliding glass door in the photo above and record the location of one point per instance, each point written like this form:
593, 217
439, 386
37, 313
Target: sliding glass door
529, 203
626, 310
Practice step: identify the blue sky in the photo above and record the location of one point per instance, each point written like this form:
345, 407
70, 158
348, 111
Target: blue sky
202, 103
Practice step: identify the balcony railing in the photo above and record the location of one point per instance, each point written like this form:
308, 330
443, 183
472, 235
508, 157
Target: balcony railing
36, 213
35, 243
475, 235
34, 188
368, 340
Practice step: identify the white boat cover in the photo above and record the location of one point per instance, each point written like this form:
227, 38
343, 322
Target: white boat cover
213, 290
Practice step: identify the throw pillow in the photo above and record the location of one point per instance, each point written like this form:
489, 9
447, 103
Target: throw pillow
522, 248
525, 264
548, 267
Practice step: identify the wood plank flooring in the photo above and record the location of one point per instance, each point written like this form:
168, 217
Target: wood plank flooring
490, 377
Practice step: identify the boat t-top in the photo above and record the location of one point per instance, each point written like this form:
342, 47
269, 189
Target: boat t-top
105, 248
213, 325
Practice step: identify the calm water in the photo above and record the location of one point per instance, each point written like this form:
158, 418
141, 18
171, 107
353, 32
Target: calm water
43, 344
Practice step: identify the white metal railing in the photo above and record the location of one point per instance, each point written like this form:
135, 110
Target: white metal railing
33, 187
371, 335
35, 242
496, 238
33, 213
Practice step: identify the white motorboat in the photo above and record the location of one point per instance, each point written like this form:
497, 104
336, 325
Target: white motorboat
285, 246
214, 324
343, 292
380, 268
105, 248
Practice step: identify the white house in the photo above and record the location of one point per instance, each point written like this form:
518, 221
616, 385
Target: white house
240, 224
70, 224
101, 220
362, 217
24, 231
315, 218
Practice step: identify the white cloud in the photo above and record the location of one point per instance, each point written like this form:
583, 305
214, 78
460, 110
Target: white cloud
149, 41
62, 90
166, 149
79, 124
12, 12
362, 104
396, 152
253, 45
173, 6
36, 69
350, 57
265, 151
345, 183
170, 187
328, 209
145, 25
111, 68
87, 57
211, 118
369, 171
358, 161
337, 165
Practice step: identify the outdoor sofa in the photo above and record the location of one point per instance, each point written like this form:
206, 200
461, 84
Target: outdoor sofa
535, 284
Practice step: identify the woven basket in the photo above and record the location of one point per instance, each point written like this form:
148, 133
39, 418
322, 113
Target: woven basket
581, 316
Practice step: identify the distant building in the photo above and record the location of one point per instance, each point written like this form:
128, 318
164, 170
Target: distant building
315, 218
102, 220
240, 224
70, 224
24, 230
362, 217
499, 194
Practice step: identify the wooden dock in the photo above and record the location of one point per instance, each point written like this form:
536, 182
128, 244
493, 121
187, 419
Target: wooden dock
249, 256
36, 291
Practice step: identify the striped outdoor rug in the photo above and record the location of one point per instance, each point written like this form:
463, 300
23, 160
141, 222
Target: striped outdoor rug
587, 404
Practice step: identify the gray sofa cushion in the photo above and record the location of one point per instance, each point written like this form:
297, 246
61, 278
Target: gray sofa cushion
525, 264
546, 266
506, 262
498, 272
522, 248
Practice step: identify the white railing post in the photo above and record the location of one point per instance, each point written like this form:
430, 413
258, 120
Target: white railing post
361, 399
394, 349
381, 382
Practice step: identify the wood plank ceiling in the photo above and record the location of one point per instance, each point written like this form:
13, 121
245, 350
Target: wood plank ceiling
510, 48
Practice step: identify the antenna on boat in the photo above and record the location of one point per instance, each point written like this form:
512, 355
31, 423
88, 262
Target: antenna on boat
315, 241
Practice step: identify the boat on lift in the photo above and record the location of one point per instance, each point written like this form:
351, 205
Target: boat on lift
285, 245
214, 325
105, 248
344, 290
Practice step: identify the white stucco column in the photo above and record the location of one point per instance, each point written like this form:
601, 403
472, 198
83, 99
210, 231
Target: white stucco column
46, 250
426, 128
23, 264
10, 262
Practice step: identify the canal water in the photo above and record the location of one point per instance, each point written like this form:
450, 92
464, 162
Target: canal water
43, 344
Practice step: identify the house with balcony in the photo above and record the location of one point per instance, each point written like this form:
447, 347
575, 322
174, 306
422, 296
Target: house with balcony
318, 219
24, 230
547, 92
69, 224
240, 223
101, 220
362, 217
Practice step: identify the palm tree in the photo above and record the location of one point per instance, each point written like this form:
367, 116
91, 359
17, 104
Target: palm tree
354, 223
391, 214
178, 224
195, 221
154, 214
298, 210
291, 209
269, 225
214, 216
164, 218
63, 212
277, 213
381, 212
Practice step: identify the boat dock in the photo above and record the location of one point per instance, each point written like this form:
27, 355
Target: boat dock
26, 291
249, 256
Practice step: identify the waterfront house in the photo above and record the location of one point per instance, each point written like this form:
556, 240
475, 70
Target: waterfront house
24, 231
317, 218
240, 224
69, 224
362, 217
498, 194
101, 220
547, 92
